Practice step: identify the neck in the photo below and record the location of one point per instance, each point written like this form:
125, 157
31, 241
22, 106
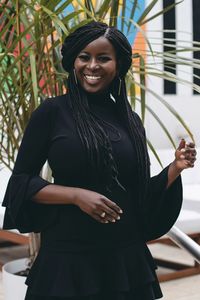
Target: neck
98, 98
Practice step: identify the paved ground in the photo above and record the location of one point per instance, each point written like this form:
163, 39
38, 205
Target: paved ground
182, 289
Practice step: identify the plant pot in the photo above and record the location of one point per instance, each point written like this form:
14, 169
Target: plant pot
14, 287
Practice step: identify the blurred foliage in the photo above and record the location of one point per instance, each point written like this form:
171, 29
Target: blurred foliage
31, 34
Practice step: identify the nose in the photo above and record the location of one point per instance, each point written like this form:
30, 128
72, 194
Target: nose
92, 64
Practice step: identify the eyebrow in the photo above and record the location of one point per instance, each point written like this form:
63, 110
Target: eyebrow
102, 53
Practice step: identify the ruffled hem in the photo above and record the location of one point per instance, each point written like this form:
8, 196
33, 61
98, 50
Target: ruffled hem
145, 292
21, 212
64, 274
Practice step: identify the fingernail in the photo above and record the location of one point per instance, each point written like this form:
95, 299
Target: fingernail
113, 220
118, 217
121, 211
106, 221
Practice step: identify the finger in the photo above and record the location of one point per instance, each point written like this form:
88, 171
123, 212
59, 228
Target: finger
181, 144
189, 163
112, 205
193, 160
190, 149
191, 145
109, 213
109, 219
190, 155
103, 214
105, 220
99, 219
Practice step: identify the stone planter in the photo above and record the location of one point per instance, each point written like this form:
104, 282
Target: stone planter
14, 287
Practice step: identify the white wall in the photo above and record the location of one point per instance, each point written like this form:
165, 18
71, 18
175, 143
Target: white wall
186, 104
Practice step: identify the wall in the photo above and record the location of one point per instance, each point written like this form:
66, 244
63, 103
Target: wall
186, 104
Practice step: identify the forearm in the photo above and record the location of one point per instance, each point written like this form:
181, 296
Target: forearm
56, 194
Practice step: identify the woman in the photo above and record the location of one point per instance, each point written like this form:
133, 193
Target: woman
102, 207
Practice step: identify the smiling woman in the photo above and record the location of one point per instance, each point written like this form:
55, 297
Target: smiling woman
102, 207
96, 66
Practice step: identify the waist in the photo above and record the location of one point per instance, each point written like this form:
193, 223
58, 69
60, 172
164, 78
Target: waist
81, 245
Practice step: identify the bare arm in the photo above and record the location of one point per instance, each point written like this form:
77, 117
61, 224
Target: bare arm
185, 156
90, 202
55, 194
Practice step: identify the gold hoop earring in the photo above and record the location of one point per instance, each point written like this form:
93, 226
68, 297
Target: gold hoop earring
75, 77
120, 85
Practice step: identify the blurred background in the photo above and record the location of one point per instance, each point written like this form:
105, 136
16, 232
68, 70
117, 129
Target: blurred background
163, 86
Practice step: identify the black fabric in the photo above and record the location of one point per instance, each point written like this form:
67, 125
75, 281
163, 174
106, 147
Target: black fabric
80, 256
141, 293
162, 206
21, 212
118, 268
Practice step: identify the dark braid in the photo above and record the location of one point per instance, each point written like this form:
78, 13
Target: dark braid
90, 129
137, 133
93, 136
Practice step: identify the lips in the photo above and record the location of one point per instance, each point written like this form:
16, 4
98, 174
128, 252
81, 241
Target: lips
92, 78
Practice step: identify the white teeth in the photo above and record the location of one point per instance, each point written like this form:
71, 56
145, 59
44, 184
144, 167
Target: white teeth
92, 77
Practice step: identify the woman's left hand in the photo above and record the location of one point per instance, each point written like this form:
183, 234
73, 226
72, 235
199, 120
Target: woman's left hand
185, 155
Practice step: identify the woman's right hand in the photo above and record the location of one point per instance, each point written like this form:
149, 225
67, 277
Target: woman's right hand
97, 206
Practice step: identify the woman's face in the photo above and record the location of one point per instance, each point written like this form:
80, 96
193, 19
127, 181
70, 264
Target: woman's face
96, 66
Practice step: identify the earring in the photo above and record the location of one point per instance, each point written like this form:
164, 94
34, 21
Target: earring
75, 77
120, 85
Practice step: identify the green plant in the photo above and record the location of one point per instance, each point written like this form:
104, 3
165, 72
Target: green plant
30, 62
31, 33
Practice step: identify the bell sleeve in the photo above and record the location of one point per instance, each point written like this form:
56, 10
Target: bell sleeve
22, 212
163, 205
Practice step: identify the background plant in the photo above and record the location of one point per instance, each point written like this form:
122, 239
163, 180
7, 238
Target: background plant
31, 34
30, 62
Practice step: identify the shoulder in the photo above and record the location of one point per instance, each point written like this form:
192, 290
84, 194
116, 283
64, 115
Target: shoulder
52, 102
138, 121
50, 106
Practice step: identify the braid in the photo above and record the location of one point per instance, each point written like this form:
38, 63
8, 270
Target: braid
137, 134
93, 136
90, 128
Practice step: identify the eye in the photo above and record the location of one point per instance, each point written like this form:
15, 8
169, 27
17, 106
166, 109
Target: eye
104, 58
84, 57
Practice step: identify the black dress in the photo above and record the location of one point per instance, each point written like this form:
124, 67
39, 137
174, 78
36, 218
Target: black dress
79, 257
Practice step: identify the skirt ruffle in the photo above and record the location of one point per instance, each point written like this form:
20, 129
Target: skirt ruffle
142, 293
120, 271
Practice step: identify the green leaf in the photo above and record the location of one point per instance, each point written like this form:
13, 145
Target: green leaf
34, 75
105, 6
132, 14
154, 152
142, 91
168, 8
57, 22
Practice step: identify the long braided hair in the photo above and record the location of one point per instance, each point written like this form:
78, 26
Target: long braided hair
90, 130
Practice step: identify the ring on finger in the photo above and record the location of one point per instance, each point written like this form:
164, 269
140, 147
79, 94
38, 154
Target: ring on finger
103, 214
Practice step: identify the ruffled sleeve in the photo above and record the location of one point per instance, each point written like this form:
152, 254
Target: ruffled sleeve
21, 212
163, 205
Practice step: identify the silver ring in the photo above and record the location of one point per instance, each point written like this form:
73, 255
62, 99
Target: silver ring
103, 214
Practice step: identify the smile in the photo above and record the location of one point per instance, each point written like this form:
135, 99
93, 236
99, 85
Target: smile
92, 77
